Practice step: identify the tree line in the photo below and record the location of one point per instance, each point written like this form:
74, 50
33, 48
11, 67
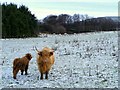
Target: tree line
77, 23
19, 22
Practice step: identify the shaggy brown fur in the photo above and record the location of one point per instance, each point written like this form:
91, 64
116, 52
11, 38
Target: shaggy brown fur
21, 64
45, 59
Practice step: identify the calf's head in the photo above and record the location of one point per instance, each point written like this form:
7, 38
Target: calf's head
28, 56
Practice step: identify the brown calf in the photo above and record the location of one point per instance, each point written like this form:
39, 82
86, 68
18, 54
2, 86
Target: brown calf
21, 64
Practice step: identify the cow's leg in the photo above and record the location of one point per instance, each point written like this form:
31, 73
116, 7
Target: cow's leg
46, 75
41, 76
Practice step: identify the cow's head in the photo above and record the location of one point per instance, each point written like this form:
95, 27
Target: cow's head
46, 53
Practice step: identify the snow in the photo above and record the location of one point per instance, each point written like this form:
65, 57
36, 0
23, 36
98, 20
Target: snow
88, 60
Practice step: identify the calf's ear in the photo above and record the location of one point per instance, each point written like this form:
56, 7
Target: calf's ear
40, 53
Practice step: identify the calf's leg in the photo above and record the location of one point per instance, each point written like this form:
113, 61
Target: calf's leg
15, 71
22, 72
26, 68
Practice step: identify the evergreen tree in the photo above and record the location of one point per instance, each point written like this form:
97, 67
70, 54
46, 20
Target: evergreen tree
17, 22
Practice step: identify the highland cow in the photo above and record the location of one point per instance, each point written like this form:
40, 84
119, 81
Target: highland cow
45, 60
21, 64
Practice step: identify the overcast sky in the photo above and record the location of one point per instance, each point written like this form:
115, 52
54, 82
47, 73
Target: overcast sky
94, 8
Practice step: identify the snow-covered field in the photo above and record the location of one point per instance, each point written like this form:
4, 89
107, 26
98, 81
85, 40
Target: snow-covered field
81, 61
